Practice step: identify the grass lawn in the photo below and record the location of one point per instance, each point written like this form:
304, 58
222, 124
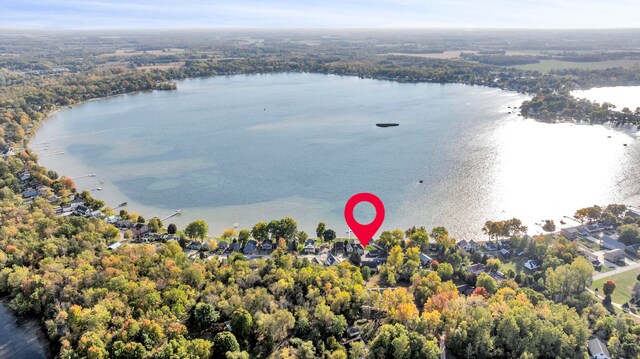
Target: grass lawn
545, 66
624, 284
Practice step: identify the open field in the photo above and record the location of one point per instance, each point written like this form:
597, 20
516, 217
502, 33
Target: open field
624, 284
446, 55
545, 66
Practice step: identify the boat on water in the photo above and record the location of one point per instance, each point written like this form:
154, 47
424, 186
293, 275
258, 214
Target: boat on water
387, 124
123, 204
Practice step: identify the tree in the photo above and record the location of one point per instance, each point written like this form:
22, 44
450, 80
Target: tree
549, 225
260, 231
205, 316
224, 342
487, 282
329, 235
242, 323
420, 239
229, 233
395, 341
276, 325
322, 227
155, 224
244, 235
355, 258
172, 229
629, 234
197, 229
445, 271
390, 239
608, 287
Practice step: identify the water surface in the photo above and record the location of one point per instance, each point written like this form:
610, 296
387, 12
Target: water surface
20, 338
620, 96
244, 149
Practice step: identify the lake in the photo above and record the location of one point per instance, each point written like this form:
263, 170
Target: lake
621, 96
250, 148
20, 338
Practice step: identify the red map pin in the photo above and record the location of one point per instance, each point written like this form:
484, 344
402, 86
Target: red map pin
364, 232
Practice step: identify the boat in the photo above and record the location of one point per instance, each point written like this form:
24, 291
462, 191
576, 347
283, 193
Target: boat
123, 204
387, 124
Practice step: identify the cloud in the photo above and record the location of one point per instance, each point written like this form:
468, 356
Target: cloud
55, 14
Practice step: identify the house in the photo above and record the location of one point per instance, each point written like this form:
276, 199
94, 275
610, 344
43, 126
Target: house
338, 248
112, 219
490, 246
633, 213
324, 248
30, 193
195, 246
114, 246
82, 211
504, 244
24, 176
95, 214
609, 242
615, 255
633, 249
597, 349
532, 264
222, 246
372, 263
140, 229
332, 260
592, 228
10, 152
309, 247
464, 245
476, 269
267, 245
505, 253
124, 224
353, 332
234, 247
465, 289
425, 260
474, 245
355, 245
250, 247
570, 232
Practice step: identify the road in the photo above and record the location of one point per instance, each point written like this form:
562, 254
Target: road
616, 271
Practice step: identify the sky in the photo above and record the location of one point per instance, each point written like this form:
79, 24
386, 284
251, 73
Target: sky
129, 14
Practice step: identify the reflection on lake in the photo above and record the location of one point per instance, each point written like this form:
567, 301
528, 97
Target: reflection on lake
19, 338
252, 148
621, 96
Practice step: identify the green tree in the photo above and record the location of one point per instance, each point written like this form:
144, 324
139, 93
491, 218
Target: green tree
205, 316
487, 282
322, 227
155, 224
197, 229
629, 234
224, 342
172, 229
260, 231
329, 235
445, 271
244, 235
242, 323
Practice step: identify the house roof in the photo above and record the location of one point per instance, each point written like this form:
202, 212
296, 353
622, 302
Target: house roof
250, 246
425, 259
597, 346
611, 243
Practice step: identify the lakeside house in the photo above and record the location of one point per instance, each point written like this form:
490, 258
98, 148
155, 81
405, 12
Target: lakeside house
234, 247
30, 193
338, 248
612, 243
615, 255
570, 232
250, 247
464, 245
222, 246
140, 229
267, 245
355, 245
82, 211
309, 247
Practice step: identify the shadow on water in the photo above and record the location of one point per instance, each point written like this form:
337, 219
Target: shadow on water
21, 338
